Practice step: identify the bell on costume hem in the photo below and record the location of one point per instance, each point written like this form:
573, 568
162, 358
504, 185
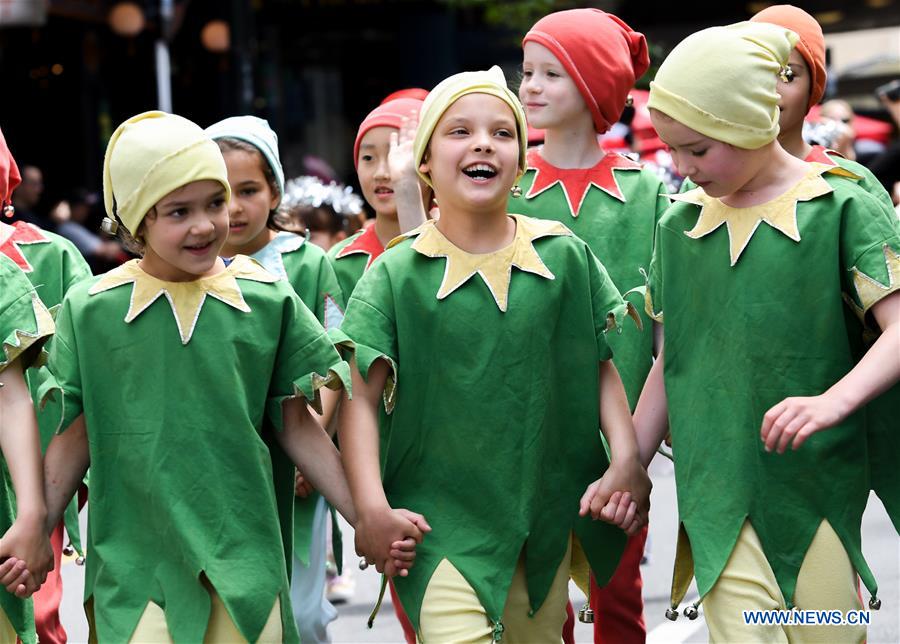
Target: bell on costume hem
874, 603
68, 551
671, 614
79, 561
586, 614
691, 612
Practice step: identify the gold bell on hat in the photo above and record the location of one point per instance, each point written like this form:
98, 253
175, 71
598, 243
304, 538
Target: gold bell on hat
516, 191
586, 614
109, 226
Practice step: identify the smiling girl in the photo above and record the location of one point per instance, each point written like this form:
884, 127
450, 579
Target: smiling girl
168, 368
484, 336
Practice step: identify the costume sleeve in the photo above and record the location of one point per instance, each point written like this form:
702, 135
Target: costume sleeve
63, 384
369, 328
25, 323
306, 360
653, 292
662, 201
609, 307
870, 252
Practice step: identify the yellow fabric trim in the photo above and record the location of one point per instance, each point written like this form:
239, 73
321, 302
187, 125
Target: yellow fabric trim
780, 213
495, 268
580, 569
683, 573
870, 290
185, 298
24, 339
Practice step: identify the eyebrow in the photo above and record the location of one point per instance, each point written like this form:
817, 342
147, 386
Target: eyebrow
182, 204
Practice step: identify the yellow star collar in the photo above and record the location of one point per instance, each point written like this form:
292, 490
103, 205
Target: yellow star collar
780, 213
185, 298
495, 268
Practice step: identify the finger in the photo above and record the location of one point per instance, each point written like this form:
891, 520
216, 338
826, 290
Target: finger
407, 545
415, 518
13, 576
630, 514
20, 582
608, 512
584, 504
769, 419
778, 426
802, 434
403, 555
622, 508
790, 430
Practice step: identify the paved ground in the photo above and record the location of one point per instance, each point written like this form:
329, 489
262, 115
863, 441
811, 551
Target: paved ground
880, 543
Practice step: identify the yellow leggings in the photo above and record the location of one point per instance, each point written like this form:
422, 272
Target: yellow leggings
7, 632
451, 611
152, 628
827, 581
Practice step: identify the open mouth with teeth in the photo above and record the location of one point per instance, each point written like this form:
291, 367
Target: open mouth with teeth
480, 171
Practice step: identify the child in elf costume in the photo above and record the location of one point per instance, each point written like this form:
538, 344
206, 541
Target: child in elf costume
353, 256
250, 149
802, 90
25, 553
757, 347
484, 337
201, 353
376, 140
52, 264
579, 66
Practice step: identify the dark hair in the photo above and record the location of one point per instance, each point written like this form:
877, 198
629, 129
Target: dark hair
323, 218
231, 144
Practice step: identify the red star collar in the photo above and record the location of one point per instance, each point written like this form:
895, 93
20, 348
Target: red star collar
575, 182
820, 154
366, 243
12, 236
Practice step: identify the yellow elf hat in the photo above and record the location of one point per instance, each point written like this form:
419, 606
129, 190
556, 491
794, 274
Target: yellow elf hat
149, 156
450, 90
722, 82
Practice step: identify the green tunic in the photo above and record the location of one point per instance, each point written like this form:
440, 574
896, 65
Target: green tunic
353, 256
24, 326
743, 334
490, 421
620, 205
174, 406
307, 269
881, 413
53, 265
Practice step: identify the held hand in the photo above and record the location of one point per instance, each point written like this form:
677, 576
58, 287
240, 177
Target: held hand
403, 552
302, 487
381, 534
27, 541
793, 420
621, 496
14, 576
400, 156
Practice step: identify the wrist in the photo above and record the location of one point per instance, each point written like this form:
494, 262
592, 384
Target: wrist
32, 517
845, 400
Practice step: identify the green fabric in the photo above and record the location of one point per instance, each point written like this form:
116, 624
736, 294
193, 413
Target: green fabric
349, 269
621, 235
307, 269
181, 480
740, 339
881, 413
56, 265
17, 317
497, 444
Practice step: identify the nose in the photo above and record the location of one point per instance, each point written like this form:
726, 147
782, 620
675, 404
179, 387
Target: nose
482, 142
202, 226
234, 205
683, 166
382, 170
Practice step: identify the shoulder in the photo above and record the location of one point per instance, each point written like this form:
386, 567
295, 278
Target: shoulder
335, 250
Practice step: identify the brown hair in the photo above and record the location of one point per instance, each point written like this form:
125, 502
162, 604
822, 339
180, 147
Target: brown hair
231, 144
